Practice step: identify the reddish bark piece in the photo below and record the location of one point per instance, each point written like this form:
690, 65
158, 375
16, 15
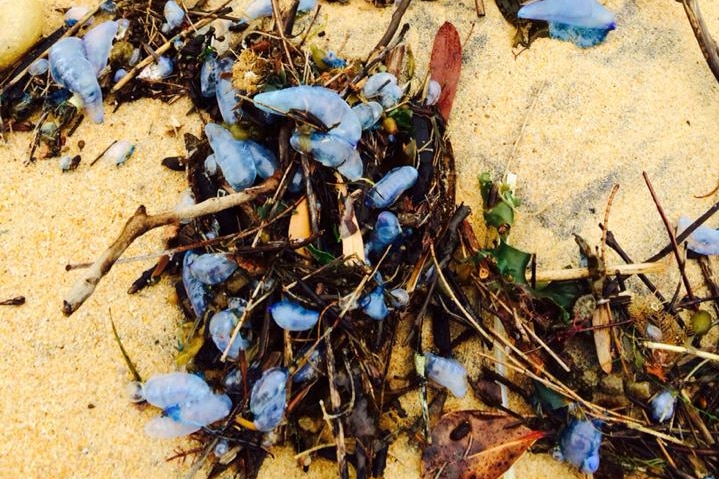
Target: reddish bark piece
445, 65
475, 445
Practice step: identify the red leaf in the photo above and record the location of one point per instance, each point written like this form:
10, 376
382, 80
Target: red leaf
445, 65
476, 445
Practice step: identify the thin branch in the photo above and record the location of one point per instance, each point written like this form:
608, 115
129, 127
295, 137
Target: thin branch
672, 238
139, 224
582, 273
706, 43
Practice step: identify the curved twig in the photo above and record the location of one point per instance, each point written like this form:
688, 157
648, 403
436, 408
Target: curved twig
139, 224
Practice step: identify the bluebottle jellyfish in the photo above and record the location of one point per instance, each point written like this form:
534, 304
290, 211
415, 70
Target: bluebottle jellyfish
386, 230
383, 86
266, 162
391, 186
325, 104
174, 15
333, 148
269, 398
75, 14
662, 406
232, 156
583, 22
225, 92
263, 8
38, 67
187, 402
98, 43
222, 325
373, 304
579, 444
311, 369
119, 152
159, 70
71, 69
292, 316
368, 113
703, 240
212, 268
195, 289
434, 90
446, 372
208, 81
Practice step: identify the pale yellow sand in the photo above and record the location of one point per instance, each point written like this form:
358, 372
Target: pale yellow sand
644, 100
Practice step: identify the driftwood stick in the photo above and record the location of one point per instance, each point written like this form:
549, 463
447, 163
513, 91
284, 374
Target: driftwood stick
139, 224
581, 273
706, 43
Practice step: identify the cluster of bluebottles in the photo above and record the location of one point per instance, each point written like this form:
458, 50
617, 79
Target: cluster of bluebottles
265, 315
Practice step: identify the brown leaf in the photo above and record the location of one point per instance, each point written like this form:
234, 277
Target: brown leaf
445, 65
475, 445
601, 318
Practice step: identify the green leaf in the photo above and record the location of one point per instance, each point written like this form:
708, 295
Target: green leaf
562, 293
403, 118
511, 262
322, 256
501, 216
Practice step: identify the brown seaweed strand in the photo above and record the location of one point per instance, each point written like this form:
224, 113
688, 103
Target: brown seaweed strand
672, 238
392, 28
139, 224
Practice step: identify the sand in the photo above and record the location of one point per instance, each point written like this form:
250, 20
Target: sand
642, 101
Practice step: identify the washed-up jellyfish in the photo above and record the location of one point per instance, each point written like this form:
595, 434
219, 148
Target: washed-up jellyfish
266, 163
222, 325
398, 297
386, 230
311, 369
434, 90
225, 92
583, 22
323, 103
232, 155
269, 398
174, 16
292, 316
119, 152
391, 187
71, 69
161, 69
383, 86
187, 404
368, 113
75, 14
98, 43
703, 240
662, 406
579, 444
38, 67
446, 372
212, 268
263, 8
208, 74
333, 148
373, 304
195, 289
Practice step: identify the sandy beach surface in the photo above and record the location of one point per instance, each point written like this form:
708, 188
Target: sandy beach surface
569, 122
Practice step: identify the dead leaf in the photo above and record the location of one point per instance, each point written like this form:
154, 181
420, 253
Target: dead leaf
445, 65
601, 317
475, 445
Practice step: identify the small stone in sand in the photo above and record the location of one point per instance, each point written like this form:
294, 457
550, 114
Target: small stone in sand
21, 28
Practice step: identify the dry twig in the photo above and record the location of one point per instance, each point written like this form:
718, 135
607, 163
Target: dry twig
139, 224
